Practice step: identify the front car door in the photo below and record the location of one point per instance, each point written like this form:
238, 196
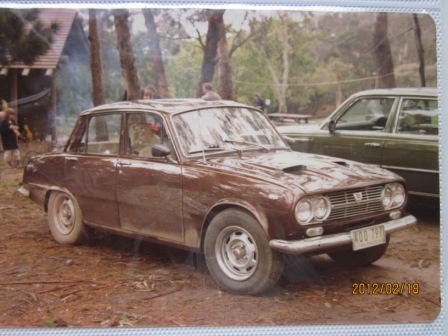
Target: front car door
149, 189
359, 131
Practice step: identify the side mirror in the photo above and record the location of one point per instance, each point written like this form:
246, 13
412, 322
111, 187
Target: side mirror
288, 140
160, 151
331, 126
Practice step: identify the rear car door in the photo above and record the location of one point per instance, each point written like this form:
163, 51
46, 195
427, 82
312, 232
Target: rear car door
90, 168
412, 150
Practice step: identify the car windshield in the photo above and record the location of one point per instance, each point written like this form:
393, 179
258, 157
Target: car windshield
225, 129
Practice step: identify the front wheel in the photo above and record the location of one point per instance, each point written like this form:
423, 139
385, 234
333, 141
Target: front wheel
238, 255
364, 257
65, 219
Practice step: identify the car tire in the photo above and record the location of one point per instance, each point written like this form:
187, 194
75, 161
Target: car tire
238, 255
65, 219
364, 257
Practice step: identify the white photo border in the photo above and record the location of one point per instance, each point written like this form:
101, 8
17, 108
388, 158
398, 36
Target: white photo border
438, 10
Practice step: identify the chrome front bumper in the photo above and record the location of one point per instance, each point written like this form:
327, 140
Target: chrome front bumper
325, 243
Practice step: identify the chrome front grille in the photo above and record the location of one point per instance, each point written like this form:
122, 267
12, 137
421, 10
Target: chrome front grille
353, 203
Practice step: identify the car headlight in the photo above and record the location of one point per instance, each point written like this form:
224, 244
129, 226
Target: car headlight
311, 210
304, 211
398, 195
393, 195
321, 207
386, 197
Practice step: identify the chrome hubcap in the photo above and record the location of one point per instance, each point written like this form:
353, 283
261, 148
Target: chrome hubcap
236, 253
66, 216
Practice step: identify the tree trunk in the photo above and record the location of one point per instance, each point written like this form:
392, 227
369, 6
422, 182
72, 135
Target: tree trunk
95, 60
283, 106
278, 87
281, 85
127, 59
382, 52
156, 54
420, 50
226, 88
210, 49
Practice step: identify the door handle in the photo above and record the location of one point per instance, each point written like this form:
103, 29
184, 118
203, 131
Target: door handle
71, 158
124, 163
372, 144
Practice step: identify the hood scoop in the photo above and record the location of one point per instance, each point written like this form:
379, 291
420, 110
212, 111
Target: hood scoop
294, 169
341, 163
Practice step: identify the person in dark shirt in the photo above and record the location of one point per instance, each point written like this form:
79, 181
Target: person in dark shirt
259, 102
9, 132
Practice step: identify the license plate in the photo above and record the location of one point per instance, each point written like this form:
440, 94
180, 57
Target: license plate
367, 237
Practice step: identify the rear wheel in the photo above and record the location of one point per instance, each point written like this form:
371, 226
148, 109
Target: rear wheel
238, 255
363, 257
65, 219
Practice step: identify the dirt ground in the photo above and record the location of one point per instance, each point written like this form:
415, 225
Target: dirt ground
114, 282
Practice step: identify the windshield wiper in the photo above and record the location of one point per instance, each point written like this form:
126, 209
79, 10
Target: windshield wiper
208, 149
239, 142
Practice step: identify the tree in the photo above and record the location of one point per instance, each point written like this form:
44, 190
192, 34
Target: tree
330, 55
217, 53
156, 53
277, 54
225, 78
420, 50
215, 21
382, 52
95, 60
183, 69
127, 59
113, 83
23, 37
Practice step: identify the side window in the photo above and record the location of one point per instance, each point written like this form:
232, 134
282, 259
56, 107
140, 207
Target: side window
77, 140
103, 135
369, 114
419, 116
144, 130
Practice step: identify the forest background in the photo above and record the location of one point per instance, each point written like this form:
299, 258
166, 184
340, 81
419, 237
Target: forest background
301, 62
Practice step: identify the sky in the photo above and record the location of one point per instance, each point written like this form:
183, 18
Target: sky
235, 17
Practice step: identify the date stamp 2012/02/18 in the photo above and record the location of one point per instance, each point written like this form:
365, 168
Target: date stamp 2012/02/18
385, 288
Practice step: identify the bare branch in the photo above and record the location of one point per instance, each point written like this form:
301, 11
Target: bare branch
199, 38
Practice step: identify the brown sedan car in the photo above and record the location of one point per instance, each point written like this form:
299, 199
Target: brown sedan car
214, 178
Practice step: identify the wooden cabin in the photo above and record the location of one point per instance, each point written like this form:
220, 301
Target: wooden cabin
31, 89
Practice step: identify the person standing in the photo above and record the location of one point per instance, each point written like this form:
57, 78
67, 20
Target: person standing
209, 94
149, 92
259, 102
9, 132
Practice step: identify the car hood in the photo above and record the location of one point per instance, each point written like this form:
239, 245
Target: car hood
309, 172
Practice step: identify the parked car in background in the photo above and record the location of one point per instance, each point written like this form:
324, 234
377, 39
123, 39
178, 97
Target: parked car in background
288, 118
215, 178
394, 128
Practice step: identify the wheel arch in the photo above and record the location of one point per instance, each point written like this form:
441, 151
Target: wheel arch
246, 208
56, 189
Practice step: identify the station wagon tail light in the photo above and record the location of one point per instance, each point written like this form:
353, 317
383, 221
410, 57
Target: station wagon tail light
310, 210
393, 196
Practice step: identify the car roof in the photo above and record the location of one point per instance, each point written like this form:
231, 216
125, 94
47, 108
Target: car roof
167, 106
402, 91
